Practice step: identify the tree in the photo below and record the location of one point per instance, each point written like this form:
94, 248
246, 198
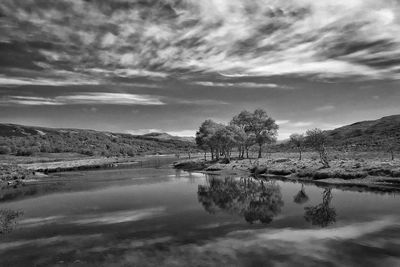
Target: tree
205, 137
258, 126
297, 140
316, 138
225, 138
264, 128
390, 145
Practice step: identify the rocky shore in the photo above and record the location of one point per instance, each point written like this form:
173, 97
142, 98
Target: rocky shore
362, 172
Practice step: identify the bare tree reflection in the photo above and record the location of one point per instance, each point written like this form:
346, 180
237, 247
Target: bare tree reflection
321, 214
301, 197
8, 220
254, 200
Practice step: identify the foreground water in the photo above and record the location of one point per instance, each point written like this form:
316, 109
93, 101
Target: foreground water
163, 217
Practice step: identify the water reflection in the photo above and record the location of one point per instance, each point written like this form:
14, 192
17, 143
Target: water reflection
321, 214
301, 197
252, 199
8, 220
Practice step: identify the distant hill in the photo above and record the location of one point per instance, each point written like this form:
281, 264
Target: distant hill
365, 135
165, 136
27, 140
373, 135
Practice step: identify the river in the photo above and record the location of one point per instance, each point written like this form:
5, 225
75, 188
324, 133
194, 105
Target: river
158, 216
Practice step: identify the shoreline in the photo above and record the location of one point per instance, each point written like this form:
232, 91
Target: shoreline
380, 175
15, 174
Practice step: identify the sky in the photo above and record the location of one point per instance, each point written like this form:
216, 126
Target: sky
138, 66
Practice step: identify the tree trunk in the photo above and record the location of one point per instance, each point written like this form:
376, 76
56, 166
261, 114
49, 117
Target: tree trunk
392, 153
324, 157
247, 152
259, 151
212, 154
299, 154
205, 155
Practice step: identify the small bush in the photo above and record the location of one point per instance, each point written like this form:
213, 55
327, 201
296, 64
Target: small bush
5, 150
27, 151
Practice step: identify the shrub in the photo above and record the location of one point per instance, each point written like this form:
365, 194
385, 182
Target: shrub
27, 151
5, 150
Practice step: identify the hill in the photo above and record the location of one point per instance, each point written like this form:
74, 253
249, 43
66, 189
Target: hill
367, 135
165, 136
374, 135
27, 140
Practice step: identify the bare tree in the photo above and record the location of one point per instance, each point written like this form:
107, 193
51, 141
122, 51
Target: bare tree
316, 138
297, 140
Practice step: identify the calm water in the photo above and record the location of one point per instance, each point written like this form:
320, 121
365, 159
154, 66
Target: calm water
163, 217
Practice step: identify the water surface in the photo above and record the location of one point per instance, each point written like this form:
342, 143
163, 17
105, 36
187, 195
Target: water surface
163, 217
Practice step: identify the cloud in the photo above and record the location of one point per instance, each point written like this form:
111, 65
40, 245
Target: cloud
302, 124
233, 38
200, 102
144, 131
325, 108
18, 81
242, 84
280, 122
183, 133
85, 98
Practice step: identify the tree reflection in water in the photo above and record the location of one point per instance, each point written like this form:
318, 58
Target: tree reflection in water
301, 197
8, 220
321, 214
254, 200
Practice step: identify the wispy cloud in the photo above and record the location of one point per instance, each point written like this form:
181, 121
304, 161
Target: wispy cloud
242, 84
85, 98
325, 108
17, 81
232, 37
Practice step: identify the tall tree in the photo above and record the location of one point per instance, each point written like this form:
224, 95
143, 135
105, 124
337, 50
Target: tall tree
258, 126
264, 128
205, 137
316, 138
297, 140
242, 121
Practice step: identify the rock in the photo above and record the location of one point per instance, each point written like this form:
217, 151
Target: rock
190, 165
281, 160
258, 170
304, 172
379, 172
395, 173
279, 171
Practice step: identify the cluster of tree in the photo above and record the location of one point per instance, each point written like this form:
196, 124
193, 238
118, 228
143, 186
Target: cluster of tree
244, 131
249, 198
315, 139
89, 143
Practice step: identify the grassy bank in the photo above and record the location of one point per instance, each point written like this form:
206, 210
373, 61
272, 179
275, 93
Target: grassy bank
364, 169
16, 170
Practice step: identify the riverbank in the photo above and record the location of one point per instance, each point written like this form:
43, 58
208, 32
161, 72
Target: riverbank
16, 170
367, 172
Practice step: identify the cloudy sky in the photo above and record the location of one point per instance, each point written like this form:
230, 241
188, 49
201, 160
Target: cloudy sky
166, 65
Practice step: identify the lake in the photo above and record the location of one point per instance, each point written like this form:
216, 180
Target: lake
158, 216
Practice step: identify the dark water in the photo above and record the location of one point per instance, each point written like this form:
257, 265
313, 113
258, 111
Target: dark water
163, 217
